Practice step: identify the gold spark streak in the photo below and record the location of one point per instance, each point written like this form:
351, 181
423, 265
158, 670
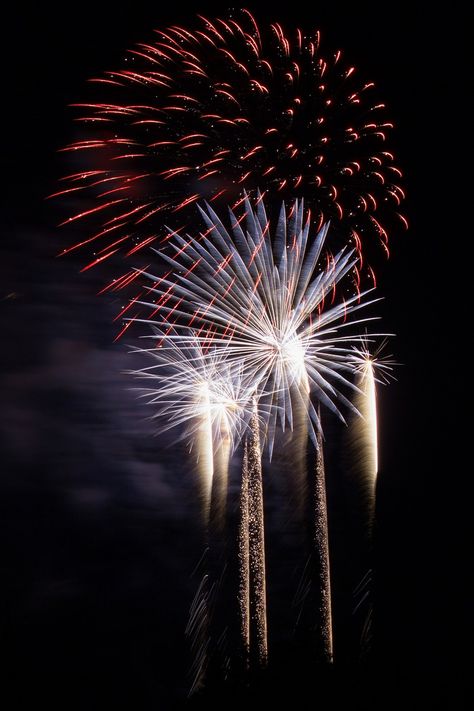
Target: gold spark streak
371, 417
321, 541
205, 454
244, 560
364, 437
297, 450
252, 583
220, 479
258, 603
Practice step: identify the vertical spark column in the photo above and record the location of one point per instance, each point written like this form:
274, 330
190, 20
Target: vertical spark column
362, 468
369, 411
321, 553
220, 478
363, 443
199, 618
315, 604
252, 582
298, 447
205, 452
244, 557
258, 602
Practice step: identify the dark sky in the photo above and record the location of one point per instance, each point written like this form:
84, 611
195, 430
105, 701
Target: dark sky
98, 539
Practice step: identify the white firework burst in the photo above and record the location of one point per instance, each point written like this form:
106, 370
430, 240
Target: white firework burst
270, 304
194, 382
369, 356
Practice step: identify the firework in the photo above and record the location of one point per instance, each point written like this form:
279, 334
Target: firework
371, 366
244, 560
252, 470
312, 598
252, 574
225, 105
197, 630
321, 553
220, 479
271, 304
198, 387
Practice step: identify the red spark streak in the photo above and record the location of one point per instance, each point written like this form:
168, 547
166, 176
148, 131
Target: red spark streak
98, 260
186, 202
124, 309
142, 244
127, 325
123, 215
80, 215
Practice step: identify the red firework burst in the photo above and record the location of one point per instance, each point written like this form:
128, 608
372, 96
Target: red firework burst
223, 107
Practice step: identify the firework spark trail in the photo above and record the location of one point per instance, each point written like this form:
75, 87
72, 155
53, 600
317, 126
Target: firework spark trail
205, 453
296, 450
244, 559
313, 593
314, 590
197, 630
221, 613
372, 367
365, 401
220, 481
363, 439
207, 111
363, 431
256, 546
321, 553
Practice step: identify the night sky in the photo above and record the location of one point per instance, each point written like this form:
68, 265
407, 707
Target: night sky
99, 533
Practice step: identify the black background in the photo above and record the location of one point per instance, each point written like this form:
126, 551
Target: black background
95, 552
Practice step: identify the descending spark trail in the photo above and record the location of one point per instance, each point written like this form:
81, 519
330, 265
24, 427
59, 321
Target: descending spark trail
244, 559
370, 368
252, 576
205, 454
255, 607
220, 480
369, 413
298, 444
197, 631
317, 572
321, 552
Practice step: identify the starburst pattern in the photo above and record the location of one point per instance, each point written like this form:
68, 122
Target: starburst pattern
191, 382
367, 355
271, 304
206, 111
